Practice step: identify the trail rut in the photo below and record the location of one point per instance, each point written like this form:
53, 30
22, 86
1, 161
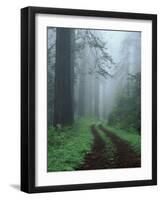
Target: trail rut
125, 157
98, 158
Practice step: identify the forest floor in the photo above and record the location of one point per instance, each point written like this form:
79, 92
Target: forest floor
118, 153
89, 144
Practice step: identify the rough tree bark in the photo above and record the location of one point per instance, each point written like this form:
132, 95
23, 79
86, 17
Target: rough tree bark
97, 93
81, 111
63, 102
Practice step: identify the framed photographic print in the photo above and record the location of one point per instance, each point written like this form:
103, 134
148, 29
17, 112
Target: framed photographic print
88, 99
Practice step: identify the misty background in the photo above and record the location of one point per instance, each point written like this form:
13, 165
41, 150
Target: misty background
106, 75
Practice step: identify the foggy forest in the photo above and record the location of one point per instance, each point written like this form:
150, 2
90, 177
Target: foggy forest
93, 99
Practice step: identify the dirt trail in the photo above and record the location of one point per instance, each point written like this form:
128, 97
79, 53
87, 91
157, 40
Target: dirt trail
98, 158
125, 157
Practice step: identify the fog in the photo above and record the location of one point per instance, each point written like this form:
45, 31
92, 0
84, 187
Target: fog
105, 65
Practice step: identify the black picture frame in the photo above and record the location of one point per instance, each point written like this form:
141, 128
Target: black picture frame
28, 98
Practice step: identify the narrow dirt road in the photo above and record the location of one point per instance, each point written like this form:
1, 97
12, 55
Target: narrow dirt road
125, 157
98, 158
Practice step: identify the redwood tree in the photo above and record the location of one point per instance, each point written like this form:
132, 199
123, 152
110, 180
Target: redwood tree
63, 102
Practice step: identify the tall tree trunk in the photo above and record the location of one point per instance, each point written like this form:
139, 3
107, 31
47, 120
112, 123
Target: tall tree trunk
63, 103
81, 111
97, 93
82, 85
72, 67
